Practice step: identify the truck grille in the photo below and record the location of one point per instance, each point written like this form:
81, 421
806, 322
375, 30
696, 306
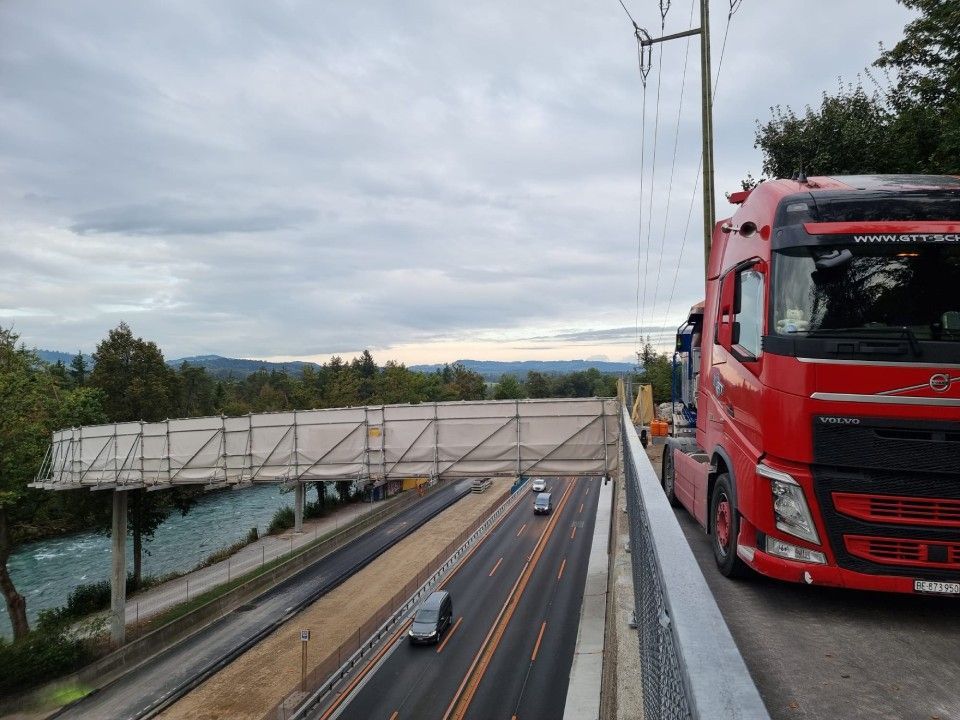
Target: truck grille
889, 494
899, 551
938, 512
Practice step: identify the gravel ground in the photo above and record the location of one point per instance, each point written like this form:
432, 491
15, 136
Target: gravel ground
253, 684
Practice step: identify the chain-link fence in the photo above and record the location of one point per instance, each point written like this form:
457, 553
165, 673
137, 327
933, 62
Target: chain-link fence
690, 666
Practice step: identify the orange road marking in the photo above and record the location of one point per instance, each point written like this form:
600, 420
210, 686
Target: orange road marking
536, 648
562, 566
471, 681
449, 634
573, 532
521, 529
495, 567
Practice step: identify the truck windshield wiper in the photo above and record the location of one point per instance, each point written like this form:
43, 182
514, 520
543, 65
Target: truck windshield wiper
903, 332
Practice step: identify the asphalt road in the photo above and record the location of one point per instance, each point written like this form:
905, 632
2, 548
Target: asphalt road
139, 691
527, 670
818, 652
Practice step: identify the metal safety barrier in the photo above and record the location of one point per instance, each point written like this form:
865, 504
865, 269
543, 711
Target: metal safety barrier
690, 665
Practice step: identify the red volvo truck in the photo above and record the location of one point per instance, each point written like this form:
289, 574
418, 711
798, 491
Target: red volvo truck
822, 375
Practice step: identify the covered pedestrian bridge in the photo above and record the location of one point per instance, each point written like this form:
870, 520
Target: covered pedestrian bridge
369, 445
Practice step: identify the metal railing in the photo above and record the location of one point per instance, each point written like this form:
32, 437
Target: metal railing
690, 665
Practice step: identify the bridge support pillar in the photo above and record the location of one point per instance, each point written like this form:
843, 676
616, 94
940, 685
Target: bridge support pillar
301, 490
118, 575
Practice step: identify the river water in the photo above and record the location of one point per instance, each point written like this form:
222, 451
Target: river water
46, 572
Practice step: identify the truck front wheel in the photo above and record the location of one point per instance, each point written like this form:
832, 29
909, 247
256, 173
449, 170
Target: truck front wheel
724, 529
668, 476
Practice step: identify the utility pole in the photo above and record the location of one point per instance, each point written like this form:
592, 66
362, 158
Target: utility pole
706, 120
709, 197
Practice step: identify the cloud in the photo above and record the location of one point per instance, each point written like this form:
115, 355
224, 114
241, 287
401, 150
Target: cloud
302, 178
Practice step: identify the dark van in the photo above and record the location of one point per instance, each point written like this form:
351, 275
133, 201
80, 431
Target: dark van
542, 505
432, 619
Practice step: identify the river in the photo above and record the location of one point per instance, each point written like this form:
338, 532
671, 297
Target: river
47, 571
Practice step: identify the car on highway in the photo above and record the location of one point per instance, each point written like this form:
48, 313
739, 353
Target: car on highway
538, 485
543, 505
432, 619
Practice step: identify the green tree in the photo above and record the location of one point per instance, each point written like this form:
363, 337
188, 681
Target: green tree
538, 385
133, 377
78, 369
658, 372
911, 124
508, 388
25, 404
137, 385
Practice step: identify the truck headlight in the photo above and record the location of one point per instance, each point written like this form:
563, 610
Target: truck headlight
789, 505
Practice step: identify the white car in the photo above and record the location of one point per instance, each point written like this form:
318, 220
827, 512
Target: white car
538, 485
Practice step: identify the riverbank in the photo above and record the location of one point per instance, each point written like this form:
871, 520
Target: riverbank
47, 572
145, 605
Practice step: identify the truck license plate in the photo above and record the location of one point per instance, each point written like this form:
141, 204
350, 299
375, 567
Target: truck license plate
928, 586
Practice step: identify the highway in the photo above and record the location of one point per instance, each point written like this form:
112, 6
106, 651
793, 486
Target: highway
817, 652
170, 674
516, 603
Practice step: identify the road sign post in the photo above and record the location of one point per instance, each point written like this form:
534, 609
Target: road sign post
304, 639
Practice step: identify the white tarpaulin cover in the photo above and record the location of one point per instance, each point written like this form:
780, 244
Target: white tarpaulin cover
368, 444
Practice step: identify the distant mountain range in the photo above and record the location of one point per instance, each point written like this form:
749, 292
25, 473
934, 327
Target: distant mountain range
491, 370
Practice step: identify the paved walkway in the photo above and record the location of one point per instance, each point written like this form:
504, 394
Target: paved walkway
157, 599
583, 692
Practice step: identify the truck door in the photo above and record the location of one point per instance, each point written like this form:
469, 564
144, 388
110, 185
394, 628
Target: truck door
740, 326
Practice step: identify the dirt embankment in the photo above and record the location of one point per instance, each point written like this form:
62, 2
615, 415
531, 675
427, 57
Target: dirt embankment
259, 679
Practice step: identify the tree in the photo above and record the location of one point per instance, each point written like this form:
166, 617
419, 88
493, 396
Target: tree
137, 385
133, 377
508, 388
911, 124
25, 392
78, 370
538, 386
658, 372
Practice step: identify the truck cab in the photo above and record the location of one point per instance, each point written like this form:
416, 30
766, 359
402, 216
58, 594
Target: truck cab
825, 385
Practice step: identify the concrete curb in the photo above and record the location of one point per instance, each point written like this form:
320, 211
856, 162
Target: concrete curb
583, 692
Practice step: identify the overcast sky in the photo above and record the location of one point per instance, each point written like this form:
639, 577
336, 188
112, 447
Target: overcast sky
430, 180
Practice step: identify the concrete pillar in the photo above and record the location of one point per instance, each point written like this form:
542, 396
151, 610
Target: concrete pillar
118, 575
301, 490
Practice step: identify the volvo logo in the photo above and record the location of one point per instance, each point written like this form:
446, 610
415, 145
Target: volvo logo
940, 382
839, 420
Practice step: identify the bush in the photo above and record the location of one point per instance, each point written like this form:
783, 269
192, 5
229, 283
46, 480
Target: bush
253, 535
282, 520
45, 654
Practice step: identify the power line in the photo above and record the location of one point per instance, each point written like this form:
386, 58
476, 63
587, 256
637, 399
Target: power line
673, 165
734, 6
653, 174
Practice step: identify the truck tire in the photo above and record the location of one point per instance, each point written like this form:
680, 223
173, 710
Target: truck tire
668, 476
724, 529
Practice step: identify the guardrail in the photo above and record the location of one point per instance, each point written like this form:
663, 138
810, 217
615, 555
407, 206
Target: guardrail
690, 666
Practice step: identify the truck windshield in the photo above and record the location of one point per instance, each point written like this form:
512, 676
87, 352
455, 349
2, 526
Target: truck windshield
865, 289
